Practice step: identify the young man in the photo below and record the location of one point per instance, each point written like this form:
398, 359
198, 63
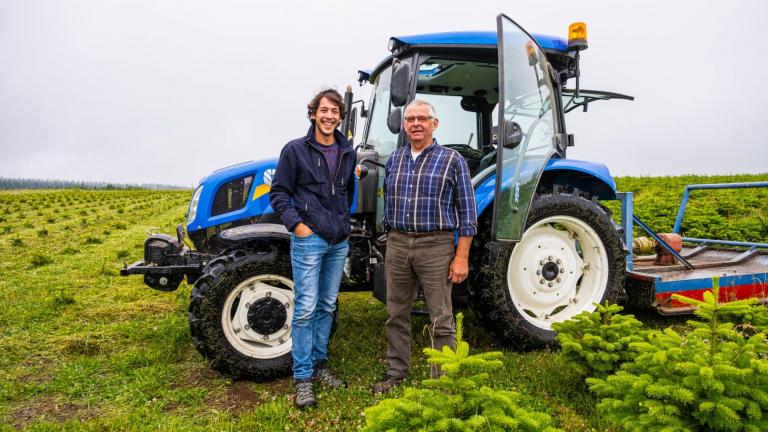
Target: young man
428, 198
312, 192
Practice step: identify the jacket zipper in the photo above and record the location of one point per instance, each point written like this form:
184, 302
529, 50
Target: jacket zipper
336, 174
333, 180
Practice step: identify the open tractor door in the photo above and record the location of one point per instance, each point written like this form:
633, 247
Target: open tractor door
558, 252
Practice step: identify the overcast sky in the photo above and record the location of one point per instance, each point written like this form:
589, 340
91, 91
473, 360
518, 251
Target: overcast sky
167, 91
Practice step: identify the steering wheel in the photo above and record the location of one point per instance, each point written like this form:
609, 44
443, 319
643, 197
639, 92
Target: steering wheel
464, 150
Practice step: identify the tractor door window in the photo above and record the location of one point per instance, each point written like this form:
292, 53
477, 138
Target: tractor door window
463, 94
232, 196
379, 136
457, 126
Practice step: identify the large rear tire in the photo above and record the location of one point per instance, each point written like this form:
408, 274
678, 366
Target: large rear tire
571, 256
240, 314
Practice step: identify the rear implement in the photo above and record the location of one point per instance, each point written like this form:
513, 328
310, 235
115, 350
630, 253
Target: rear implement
742, 267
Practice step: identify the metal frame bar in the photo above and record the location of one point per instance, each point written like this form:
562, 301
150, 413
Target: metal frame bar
628, 219
684, 204
627, 213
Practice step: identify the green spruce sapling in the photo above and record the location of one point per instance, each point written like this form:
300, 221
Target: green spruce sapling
711, 379
597, 343
460, 400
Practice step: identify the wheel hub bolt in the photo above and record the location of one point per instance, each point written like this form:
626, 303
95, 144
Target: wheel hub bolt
541, 281
285, 326
562, 270
247, 327
247, 305
549, 258
542, 262
287, 305
558, 261
558, 280
268, 294
549, 284
538, 272
238, 330
265, 337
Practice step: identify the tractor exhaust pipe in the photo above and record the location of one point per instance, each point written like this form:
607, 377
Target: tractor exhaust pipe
345, 124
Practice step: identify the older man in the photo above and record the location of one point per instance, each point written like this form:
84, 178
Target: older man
428, 199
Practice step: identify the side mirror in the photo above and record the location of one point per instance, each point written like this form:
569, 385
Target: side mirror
513, 134
395, 120
401, 74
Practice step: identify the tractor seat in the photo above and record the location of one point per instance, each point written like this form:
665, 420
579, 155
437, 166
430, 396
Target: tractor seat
490, 158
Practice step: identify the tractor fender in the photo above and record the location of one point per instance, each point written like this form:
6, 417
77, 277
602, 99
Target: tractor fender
256, 236
590, 177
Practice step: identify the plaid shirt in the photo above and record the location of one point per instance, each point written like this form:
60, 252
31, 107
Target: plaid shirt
432, 193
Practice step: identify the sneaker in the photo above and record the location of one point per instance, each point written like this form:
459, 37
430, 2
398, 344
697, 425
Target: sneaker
324, 376
305, 398
386, 385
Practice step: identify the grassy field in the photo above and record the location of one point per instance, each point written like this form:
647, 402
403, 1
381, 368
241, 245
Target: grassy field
82, 348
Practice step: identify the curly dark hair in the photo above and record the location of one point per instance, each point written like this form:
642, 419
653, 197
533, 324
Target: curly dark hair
330, 94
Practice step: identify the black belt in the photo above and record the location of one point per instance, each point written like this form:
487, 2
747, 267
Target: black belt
423, 234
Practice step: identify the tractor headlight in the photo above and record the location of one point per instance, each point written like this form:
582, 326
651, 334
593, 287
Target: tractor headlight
192, 213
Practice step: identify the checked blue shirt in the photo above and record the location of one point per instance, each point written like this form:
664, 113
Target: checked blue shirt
432, 193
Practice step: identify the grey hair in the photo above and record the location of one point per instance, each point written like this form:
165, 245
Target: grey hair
417, 102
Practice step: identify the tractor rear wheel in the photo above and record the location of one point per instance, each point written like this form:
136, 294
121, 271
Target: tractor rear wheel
570, 257
240, 314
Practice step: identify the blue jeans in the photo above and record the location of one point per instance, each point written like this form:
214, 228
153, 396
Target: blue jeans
317, 269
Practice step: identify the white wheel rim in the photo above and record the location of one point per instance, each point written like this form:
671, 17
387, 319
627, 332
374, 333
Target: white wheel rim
557, 270
234, 316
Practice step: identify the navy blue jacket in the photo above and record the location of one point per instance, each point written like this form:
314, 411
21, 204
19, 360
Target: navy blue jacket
304, 191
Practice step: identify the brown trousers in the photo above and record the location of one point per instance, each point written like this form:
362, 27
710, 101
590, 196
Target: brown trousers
426, 259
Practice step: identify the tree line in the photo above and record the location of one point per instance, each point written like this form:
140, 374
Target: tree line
24, 183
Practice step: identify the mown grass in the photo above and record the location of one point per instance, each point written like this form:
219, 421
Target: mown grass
84, 349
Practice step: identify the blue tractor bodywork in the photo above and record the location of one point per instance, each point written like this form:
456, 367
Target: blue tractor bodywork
587, 176
477, 38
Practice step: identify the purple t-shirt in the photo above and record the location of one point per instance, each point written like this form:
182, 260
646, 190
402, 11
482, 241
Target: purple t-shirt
331, 153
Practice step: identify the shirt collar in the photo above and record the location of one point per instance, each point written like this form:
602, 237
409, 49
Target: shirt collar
426, 149
343, 143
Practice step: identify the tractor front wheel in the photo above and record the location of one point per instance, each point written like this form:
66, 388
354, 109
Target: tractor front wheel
570, 257
240, 314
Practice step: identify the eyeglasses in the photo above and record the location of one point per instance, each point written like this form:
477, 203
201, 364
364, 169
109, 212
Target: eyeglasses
421, 119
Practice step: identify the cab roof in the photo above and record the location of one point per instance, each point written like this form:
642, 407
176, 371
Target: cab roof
462, 40
476, 38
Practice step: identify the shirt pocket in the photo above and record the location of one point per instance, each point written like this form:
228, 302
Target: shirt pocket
435, 185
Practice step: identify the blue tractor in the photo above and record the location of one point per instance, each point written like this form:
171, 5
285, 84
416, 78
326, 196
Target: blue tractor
547, 249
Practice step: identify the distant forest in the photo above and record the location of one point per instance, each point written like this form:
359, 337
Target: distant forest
22, 183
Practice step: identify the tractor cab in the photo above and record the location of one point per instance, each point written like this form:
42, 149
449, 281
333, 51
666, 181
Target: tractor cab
467, 77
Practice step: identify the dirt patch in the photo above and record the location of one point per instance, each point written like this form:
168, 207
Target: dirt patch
49, 409
235, 398
227, 395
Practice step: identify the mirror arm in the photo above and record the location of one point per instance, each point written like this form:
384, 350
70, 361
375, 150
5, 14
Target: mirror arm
363, 111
